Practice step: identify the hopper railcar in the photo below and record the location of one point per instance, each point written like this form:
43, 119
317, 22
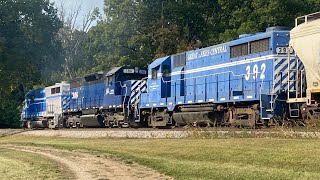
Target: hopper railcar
305, 41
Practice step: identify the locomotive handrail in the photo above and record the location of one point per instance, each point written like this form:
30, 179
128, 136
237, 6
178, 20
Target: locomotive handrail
124, 99
239, 75
235, 75
307, 18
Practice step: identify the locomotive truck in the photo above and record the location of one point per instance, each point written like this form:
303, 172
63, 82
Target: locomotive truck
256, 80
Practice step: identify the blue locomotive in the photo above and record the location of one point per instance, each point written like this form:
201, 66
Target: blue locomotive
44, 106
33, 107
105, 99
235, 83
258, 79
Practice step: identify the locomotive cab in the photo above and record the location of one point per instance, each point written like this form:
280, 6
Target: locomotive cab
123, 88
120, 83
57, 100
161, 91
34, 109
159, 82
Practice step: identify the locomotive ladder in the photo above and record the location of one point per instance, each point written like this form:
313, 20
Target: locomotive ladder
267, 103
294, 95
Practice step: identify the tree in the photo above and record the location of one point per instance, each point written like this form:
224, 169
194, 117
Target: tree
136, 32
73, 38
251, 16
28, 51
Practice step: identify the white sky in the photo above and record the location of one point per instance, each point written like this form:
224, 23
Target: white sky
86, 6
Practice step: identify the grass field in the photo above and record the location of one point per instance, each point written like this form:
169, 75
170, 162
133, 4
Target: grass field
204, 158
24, 165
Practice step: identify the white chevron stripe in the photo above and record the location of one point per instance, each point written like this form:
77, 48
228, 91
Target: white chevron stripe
135, 84
284, 82
136, 89
277, 71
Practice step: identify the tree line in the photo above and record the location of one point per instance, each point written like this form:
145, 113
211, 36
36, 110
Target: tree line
40, 46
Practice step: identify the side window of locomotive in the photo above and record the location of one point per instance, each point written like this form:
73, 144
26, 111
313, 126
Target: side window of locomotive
259, 46
58, 90
53, 90
155, 72
239, 50
165, 71
179, 60
109, 80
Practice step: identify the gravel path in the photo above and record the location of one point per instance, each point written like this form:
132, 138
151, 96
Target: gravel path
6, 132
84, 165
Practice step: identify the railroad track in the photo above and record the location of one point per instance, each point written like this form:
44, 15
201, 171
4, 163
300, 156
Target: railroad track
175, 133
299, 129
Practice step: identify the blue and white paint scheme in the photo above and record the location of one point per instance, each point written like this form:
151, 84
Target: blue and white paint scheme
57, 98
34, 106
250, 68
43, 106
123, 87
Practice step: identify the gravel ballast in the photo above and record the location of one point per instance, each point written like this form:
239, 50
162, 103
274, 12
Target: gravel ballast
163, 134
110, 134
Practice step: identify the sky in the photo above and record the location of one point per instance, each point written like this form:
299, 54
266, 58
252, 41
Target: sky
86, 6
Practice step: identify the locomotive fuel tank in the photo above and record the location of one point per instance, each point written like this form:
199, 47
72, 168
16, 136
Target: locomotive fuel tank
91, 120
37, 124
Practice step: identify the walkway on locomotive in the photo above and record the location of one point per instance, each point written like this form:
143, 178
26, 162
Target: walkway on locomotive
239, 70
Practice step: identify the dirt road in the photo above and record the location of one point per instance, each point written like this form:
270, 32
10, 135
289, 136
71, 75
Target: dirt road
85, 165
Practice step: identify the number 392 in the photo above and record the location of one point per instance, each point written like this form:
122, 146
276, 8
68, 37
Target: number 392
254, 72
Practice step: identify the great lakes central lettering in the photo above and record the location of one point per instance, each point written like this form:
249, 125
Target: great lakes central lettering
207, 52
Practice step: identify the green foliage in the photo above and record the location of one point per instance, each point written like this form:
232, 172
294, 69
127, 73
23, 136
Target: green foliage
136, 32
251, 16
28, 49
19, 164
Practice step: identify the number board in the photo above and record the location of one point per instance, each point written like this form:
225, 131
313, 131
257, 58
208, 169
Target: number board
284, 50
142, 71
128, 71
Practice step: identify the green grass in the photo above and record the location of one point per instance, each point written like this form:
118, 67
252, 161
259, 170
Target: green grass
24, 165
204, 158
